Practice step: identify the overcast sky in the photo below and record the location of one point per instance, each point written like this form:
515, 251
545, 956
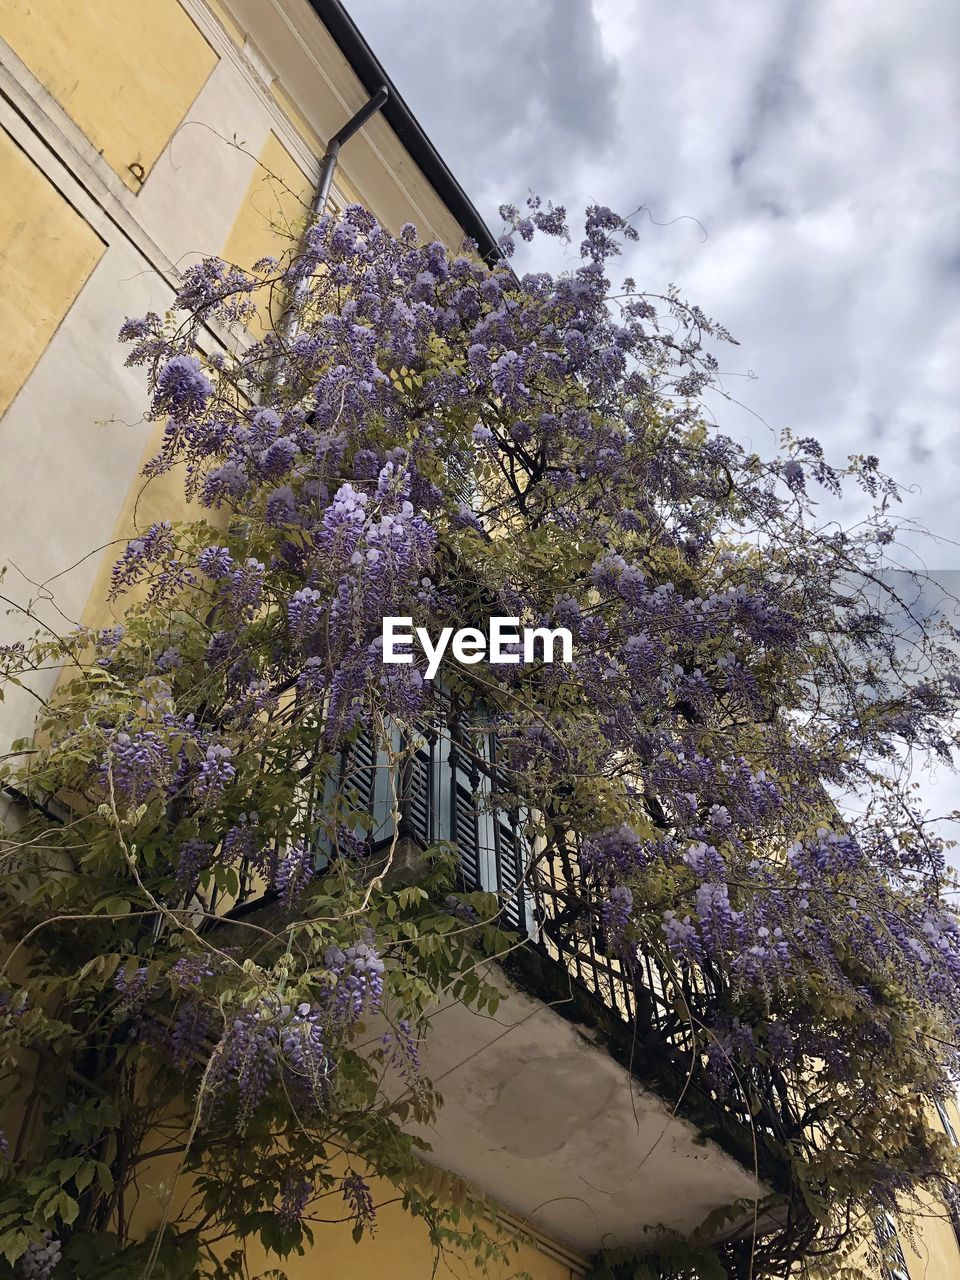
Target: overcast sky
816, 141
808, 150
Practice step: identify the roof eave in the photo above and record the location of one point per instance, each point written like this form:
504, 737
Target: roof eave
369, 71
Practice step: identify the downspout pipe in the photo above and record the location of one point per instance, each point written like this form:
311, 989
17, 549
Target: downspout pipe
287, 327
332, 153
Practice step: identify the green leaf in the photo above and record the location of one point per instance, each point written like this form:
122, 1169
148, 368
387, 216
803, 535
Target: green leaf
65, 1208
114, 906
707, 1266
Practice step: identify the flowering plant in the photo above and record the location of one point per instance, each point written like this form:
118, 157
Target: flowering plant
719, 771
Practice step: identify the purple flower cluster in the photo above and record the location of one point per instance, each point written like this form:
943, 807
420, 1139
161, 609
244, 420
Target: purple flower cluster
192, 858
359, 1200
245, 589
304, 611
133, 988
359, 987
189, 1035
40, 1259
135, 766
618, 850
682, 936
304, 1051
296, 1194
190, 971
215, 774
295, 872
445, 434
293, 1047
616, 912
108, 642
212, 283
242, 843
244, 1063
182, 388
215, 562
403, 1053
155, 546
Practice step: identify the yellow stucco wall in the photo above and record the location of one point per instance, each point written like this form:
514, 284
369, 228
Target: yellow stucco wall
271, 216
283, 100
925, 1233
401, 1250
46, 253
930, 1248
296, 118
398, 1249
235, 33
146, 503
273, 208
125, 71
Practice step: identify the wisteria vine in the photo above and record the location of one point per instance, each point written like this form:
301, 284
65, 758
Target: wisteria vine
721, 772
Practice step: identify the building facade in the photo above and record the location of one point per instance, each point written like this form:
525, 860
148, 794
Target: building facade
137, 137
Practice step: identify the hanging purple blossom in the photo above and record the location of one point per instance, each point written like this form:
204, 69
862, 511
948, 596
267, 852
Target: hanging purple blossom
153, 547
40, 1259
296, 1194
191, 971
403, 1053
189, 1036
246, 586
133, 987
295, 872
359, 1200
135, 766
245, 1061
304, 1050
182, 387
304, 611
359, 986
215, 562
193, 857
215, 775
242, 843
616, 912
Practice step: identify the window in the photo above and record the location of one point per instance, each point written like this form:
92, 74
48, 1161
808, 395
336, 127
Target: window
953, 1193
892, 1259
947, 1123
444, 793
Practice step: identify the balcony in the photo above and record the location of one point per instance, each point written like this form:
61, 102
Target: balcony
583, 1106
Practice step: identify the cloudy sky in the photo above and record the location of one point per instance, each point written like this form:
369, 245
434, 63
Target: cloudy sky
803, 156
814, 140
